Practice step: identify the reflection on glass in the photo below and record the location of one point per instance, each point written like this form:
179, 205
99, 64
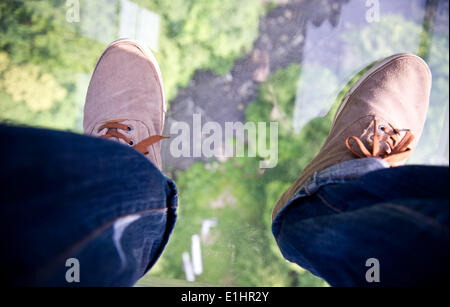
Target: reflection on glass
335, 53
139, 23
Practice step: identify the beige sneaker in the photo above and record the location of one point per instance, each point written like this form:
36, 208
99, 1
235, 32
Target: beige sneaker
382, 116
125, 101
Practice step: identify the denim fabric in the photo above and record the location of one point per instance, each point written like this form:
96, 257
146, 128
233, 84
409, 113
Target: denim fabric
67, 196
361, 210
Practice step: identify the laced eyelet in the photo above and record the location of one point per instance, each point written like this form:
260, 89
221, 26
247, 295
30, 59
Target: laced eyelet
130, 128
131, 143
382, 128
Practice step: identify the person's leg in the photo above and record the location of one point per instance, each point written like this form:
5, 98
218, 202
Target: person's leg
344, 212
398, 216
72, 196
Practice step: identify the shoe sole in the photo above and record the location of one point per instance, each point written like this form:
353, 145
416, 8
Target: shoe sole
293, 189
154, 63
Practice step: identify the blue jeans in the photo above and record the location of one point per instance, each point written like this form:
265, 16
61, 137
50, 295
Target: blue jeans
69, 196
361, 223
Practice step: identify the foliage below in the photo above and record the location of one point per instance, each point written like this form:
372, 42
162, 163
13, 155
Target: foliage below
46, 53
241, 250
40, 57
36, 32
38, 90
198, 34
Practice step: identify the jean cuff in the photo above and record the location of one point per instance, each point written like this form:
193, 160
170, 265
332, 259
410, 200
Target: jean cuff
341, 172
336, 174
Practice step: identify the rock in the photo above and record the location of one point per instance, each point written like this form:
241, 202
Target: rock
298, 40
243, 90
228, 77
263, 70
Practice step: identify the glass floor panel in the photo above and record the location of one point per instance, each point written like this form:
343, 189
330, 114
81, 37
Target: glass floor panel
233, 61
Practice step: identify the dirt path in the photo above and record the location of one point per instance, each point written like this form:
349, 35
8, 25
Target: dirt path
282, 34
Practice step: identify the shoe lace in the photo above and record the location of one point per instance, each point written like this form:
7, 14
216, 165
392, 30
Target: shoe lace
398, 147
112, 132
